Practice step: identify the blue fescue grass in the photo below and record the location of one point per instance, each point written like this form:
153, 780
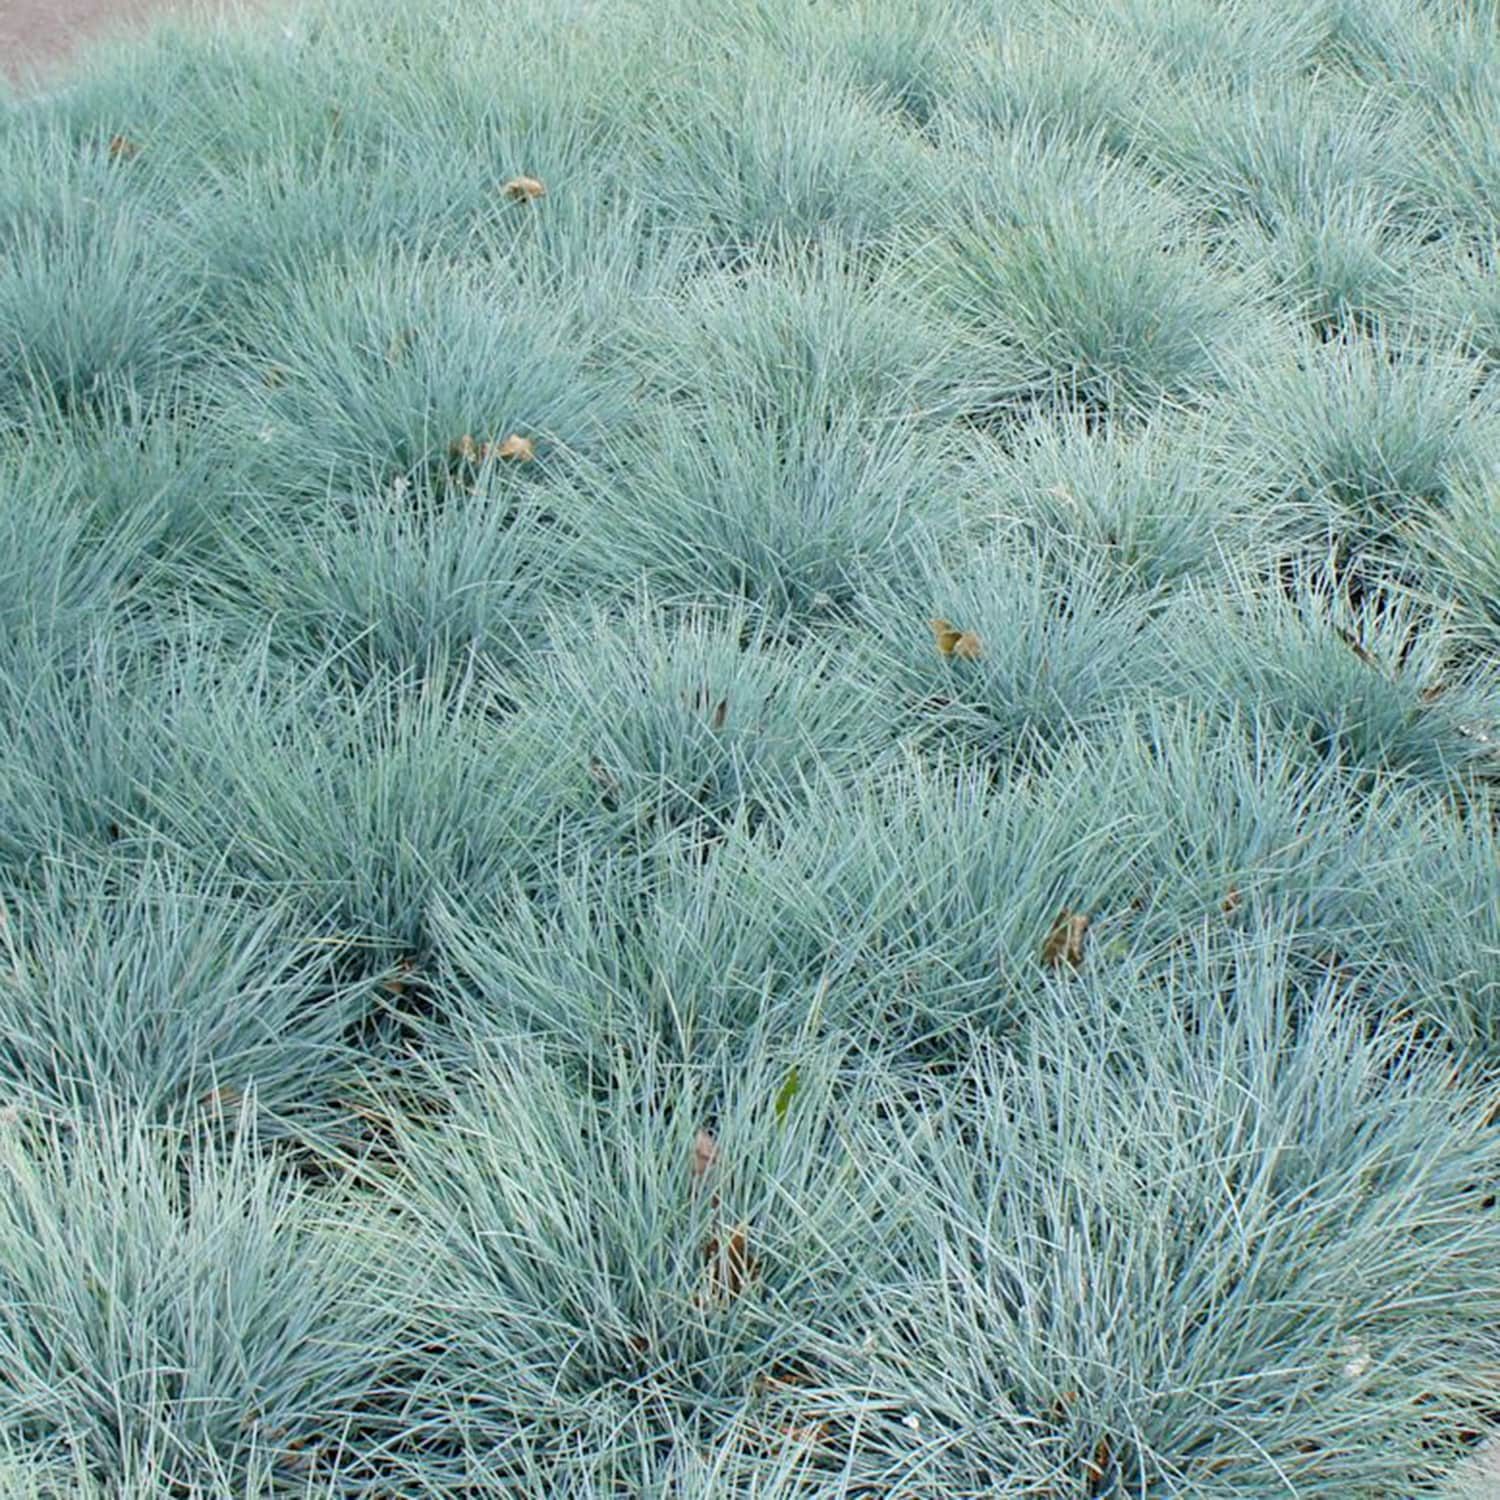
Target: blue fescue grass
803, 806
172, 1316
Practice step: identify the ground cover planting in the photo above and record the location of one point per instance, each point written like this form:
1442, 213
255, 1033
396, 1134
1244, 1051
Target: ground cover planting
751, 749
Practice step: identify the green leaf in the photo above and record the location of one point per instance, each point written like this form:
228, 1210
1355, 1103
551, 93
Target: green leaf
787, 1093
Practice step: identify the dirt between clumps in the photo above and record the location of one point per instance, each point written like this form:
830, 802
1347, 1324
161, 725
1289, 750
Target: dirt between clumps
38, 36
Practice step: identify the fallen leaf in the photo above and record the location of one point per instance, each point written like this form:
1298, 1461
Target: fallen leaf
465, 449
730, 1263
705, 1154
396, 983
514, 447
1098, 1466
788, 1092
944, 634
1065, 941
524, 187
967, 646
122, 148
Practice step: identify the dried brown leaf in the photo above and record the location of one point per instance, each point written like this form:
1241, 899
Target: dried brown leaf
524, 187
1065, 941
396, 983
944, 634
730, 1265
705, 1154
515, 449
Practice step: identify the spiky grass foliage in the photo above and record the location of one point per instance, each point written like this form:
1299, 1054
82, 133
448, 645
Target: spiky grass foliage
1079, 294
1036, 80
1368, 686
400, 583
1301, 1280
657, 1270
1238, 43
1465, 302
1053, 654
801, 337
60, 576
1279, 154
726, 161
1367, 429
365, 812
1349, 266
175, 1319
381, 369
358, 804
664, 720
1150, 507
712, 503
141, 989
937, 1283
972, 720
1459, 546
90, 307
145, 485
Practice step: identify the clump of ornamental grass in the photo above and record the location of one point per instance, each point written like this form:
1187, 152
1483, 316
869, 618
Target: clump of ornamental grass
405, 583
1361, 431
90, 309
1046, 653
1279, 154
1370, 686
380, 369
688, 719
1193, 42
176, 1317
1458, 545
357, 804
1032, 79
800, 337
756, 158
1185, 1235
709, 502
62, 574
1149, 508
658, 1269
143, 485
135, 986
1076, 290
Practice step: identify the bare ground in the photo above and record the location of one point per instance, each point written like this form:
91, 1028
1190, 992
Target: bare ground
39, 36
